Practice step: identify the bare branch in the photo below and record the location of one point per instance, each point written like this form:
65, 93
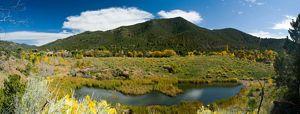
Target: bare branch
261, 95
12, 21
6, 13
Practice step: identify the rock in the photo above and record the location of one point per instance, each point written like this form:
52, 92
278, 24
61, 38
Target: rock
125, 74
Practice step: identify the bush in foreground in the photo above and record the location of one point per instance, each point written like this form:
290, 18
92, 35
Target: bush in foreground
69, 105
13, 90
37, 99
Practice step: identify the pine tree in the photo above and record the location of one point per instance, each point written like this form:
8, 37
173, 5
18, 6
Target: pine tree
295, 36
287, 66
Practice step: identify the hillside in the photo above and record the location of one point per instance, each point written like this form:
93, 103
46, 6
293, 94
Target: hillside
175, 33
11, 46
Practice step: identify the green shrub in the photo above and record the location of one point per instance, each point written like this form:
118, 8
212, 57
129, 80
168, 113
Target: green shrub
13, 90
172, 68
102, 53
139, 54
1, 99
252, 104
130, 54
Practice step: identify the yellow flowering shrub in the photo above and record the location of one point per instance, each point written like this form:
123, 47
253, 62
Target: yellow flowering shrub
69, 105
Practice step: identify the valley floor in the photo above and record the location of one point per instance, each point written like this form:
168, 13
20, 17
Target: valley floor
136, 76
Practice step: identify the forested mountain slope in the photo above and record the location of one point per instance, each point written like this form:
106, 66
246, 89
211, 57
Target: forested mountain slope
158, 34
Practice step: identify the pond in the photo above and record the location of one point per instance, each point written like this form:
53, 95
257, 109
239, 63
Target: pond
205, 94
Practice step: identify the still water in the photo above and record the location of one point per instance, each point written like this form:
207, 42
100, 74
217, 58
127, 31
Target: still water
205, 94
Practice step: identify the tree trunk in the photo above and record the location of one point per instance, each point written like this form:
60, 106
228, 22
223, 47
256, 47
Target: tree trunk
261, 99
298, 89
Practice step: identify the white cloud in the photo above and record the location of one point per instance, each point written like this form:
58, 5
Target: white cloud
254, 2
251, 1
102, 19
191, 16
284, 24
32, 37
260, 3
106, 19
264, 34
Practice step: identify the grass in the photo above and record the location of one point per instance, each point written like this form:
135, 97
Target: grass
193, 68
240, 100
3, 77
182, 108
185, 67
154, 74
160, 74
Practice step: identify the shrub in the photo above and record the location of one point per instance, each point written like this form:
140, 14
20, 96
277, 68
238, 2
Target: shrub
1, 99
13, 90
46, 69
103, 53
252, 104
270, 55
87, 106
35, 98
82, 64
139, 54
61, 53
168, 53
165, 53
130, 54
89, 53
155, 54
172, 68
191, 53
77, 54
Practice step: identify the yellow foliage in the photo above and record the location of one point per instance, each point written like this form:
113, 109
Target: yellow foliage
168, 53
155, 53
69, 105
165, 53
191, 54
270, 55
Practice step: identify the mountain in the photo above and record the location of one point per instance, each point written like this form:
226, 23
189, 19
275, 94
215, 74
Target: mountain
11, 46
158, 34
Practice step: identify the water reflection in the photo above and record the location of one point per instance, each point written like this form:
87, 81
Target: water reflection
204, 94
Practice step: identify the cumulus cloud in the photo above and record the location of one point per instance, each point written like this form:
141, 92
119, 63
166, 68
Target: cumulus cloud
106, 19
284, 24
191, 16
32, 37
102, 19
264, 34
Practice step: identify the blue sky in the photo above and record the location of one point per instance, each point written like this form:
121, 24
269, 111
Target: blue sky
43, 21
